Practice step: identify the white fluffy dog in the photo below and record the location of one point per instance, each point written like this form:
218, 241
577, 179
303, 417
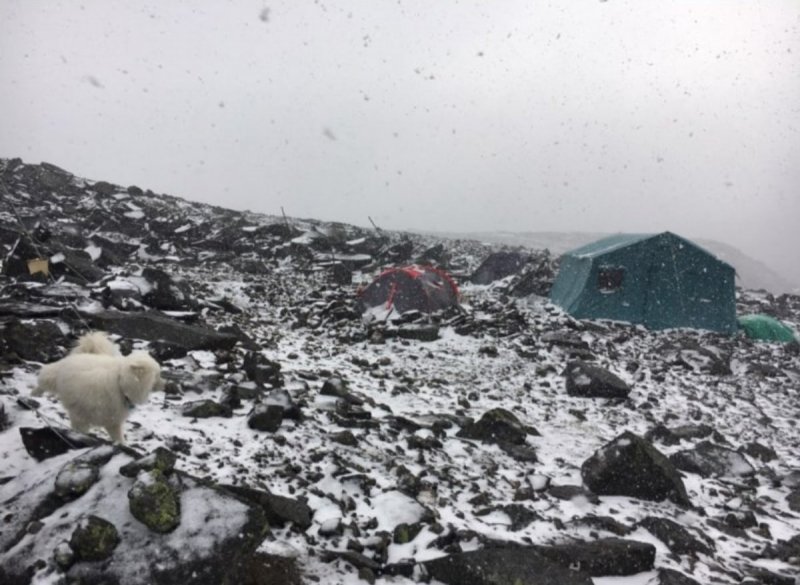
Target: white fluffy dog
97, 385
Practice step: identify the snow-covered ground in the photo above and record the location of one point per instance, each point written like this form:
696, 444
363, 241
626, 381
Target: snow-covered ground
385, 452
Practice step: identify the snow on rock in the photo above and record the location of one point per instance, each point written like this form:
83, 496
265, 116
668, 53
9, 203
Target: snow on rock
378, 461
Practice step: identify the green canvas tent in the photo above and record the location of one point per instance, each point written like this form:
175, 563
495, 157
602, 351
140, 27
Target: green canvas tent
657, 280
766, 328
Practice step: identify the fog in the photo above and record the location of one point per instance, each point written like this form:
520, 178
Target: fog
586, 115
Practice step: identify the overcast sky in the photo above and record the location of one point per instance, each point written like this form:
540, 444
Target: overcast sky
577, 115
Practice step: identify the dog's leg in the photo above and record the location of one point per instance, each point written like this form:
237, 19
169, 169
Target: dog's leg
78, 424
115, 432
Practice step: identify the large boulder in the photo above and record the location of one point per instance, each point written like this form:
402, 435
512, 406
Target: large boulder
590, 381
214, 543
631, 466
498, 265
154, 326
501, 566
37, 340
607, 556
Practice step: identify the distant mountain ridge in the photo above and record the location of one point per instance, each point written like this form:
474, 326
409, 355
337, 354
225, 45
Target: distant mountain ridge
751, 273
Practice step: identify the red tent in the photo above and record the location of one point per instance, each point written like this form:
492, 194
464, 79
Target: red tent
421, 288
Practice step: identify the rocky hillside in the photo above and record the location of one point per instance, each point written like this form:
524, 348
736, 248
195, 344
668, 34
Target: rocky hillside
296, 441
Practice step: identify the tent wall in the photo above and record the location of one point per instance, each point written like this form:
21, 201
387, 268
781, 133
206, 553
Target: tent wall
666, 282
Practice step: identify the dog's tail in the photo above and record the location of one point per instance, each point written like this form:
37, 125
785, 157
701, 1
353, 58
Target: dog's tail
46, 381
96, 342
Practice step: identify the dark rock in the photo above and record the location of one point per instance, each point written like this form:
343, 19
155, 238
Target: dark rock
205, 409
267, 569
691, 355
3, 417
675, 435
418, 332
496, 426
94, 539
282, 398
167, 294
78, 266
565, 339
28, 310
497, 266
398, 253
677, 538
46, 442
75, 479
793, 499
53, 177
262, 370
355, 558
344, 438
590, 381
521, 453
534, 279
784, 550
708, 459
155, 502
161, 459
341, 274
501, 566
153, 326
404, 533
265, 417
672, 577
606, 556
278, 509
606, 523
230, 398
764, 576
521, 516
631, 466
758, 451
164, 350
105, 188
39, 340
245, 340
568, 492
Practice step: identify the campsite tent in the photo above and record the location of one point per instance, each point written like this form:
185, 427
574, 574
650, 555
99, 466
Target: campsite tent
421, 288
766, 328
658, 280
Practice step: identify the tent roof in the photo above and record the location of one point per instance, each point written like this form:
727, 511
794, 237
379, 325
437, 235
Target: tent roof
617, 241
608, 244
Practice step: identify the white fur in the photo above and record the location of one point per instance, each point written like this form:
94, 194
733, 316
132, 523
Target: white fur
96, 342
94, 387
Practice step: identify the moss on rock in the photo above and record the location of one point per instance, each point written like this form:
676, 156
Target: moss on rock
155, 502
94, 539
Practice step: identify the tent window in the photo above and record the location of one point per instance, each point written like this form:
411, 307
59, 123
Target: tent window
609, 279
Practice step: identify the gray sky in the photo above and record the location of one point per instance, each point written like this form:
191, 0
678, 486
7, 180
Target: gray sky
578, 115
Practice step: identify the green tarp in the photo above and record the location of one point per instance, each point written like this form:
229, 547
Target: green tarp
766, 328
657, 280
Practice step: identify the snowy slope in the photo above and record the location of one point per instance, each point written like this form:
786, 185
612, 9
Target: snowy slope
377, 453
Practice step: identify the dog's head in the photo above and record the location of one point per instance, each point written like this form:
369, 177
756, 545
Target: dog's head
140, 375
